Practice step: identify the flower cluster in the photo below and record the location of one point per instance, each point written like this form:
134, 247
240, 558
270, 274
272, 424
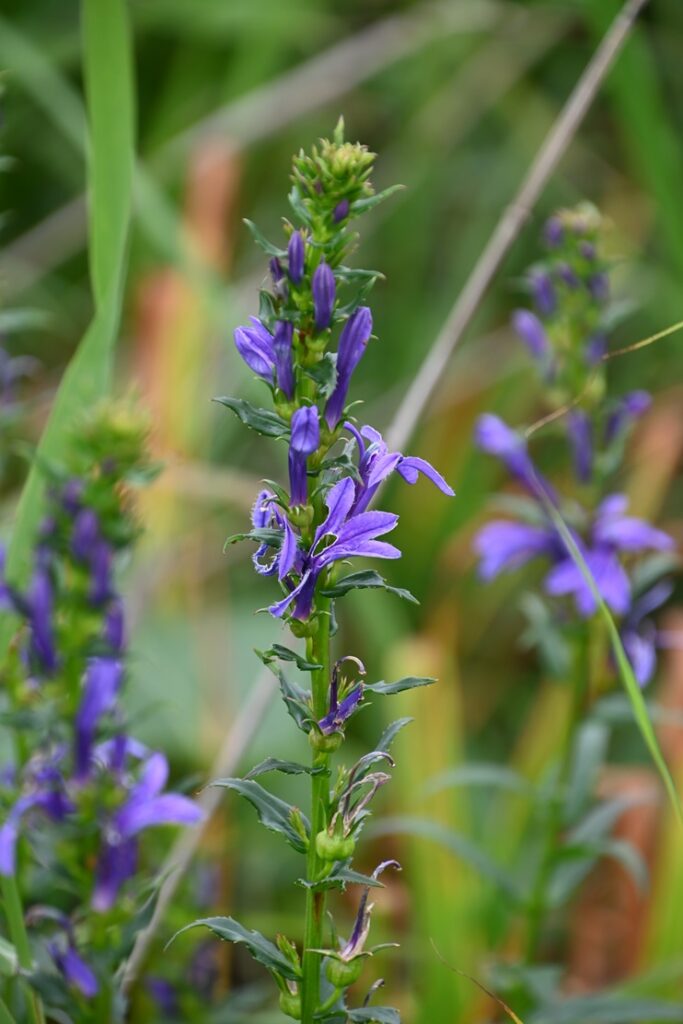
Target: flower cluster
82, 790
310, 336
566, 336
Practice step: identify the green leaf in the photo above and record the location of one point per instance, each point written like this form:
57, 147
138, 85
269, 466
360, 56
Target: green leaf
363, 205
577, 860
261, 535
263, 421
389, 734
261, 240
362, 580
609, 1009
379, 1014
14, 320
589, 755
297, 701
463, 848
274, 813
407, 683
274, 764
324, 373
285, 654
626, 675
9, 961
339, 879
109, 90
261, 949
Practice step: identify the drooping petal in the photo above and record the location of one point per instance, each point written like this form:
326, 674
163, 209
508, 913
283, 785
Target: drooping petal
339, 500
337, 717
168, 809
642, 654
628, 533
287, 551
543, 293
411, 465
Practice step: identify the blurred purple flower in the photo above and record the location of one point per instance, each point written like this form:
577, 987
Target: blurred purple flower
543, 292
75, 970
504, 545
531, 331
630, 408
341, 211
100, 690
266, 515
553, 232
580, 432
639, 634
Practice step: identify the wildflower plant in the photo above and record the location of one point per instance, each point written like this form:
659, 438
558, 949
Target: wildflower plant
310, 336
628, 558
80, 791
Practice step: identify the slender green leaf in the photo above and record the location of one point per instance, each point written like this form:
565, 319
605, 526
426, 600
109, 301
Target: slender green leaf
263, 421
407, 683
389, 734
285, 654
495, 776
274, 813
274, 764
457, 844
362, 580
623, 665
261, 949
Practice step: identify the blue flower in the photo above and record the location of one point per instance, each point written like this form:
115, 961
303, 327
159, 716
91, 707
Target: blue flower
46, 794
531, 331
145, 806
74, 968
376, 463
612, 533
323, 296
639, 634
543, 292
350, 534
266, 515
282, 351
352, 344
304, 441
630, 408
255, 345
100, 690
503, 545
42, 646
355, 945
341, 711
494, 436
341, 211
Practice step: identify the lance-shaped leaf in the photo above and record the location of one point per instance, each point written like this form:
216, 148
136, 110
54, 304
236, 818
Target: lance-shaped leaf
260, 535
362, 206
362, 580
297, 701
285, 654
390, 733
262, 241
407, 683
263, 421
376, 1014
274, 813
274, 764
339, 879
261, 949
324, 373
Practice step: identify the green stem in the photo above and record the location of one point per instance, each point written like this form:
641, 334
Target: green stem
14, 913
319, 651
554, 822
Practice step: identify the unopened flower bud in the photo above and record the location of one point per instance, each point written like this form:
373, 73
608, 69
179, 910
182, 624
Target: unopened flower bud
334, 847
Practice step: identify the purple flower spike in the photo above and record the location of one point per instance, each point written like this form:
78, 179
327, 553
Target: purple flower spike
75, 970
255, 345
282, 349
543, 292
531, 331
341, 211
114, 627
295, 257
352, 344
581, 438
323, 296
304, 440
